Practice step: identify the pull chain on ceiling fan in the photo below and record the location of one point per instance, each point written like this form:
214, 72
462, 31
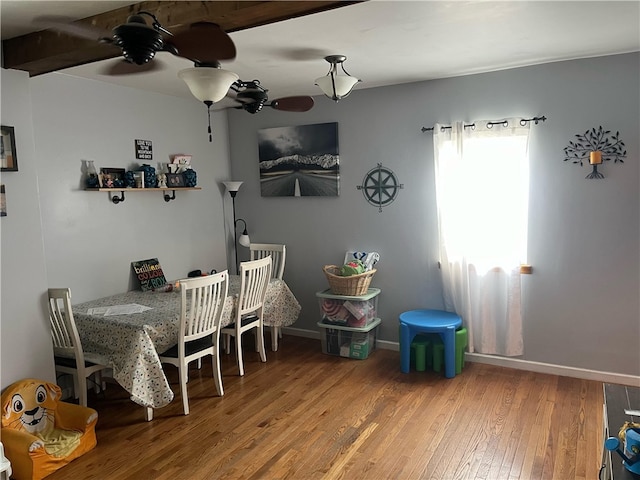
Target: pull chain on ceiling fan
207, 81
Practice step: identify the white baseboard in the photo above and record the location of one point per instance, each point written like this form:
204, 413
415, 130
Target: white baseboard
515, 363
540, 367
298, 332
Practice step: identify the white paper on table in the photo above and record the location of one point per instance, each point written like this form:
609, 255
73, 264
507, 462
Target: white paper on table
118, 309
97, 311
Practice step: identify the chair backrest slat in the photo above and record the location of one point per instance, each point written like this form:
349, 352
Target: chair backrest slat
254, 280
202, 305
64, 333
278, 254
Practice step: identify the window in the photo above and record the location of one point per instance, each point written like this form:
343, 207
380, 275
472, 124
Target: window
483, 200
482, 191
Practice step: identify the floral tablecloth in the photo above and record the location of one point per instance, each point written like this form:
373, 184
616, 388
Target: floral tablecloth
131, 342
281, 308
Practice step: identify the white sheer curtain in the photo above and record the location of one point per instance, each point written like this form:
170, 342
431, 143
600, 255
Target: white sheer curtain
482, 191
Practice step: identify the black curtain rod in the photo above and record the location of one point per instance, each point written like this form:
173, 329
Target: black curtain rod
524, 121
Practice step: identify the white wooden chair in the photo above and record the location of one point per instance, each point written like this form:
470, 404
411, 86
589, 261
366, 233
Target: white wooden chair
254, 280
69, 356
278, 254
5, 465
200, 315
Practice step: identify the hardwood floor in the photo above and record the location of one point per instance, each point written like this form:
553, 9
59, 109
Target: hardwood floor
306, 415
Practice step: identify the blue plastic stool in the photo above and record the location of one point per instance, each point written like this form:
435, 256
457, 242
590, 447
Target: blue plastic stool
414, 322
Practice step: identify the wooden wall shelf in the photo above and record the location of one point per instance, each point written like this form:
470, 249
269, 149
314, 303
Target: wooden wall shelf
167, 198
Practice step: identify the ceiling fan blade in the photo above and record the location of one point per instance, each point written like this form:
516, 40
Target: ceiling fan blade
67, 25
204, 42
293, 104
123, 67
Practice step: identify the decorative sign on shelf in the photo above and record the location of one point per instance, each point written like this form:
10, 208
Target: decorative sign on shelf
149, 274
144, 150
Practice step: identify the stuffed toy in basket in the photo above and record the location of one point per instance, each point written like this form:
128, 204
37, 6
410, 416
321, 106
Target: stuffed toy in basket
41, 434
351, 279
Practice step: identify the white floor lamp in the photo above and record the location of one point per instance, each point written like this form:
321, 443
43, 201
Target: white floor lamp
232, 188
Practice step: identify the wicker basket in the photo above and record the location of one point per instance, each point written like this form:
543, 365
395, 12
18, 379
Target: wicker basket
354, 285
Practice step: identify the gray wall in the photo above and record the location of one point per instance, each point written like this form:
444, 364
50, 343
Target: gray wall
581, 305
89, 241
58, 235
25, 341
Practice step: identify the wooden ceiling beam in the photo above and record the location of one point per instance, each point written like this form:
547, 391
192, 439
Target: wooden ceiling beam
49, 50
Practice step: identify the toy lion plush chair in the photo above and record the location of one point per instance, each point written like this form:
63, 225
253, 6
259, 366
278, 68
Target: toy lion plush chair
41, 434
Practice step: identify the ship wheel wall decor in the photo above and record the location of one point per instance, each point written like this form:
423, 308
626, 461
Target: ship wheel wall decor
380, 187
596, 146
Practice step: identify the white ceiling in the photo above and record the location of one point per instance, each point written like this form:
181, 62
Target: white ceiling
386, 42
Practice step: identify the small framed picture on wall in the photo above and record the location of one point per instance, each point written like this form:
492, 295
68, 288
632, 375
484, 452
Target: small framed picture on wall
3, 202
8, 155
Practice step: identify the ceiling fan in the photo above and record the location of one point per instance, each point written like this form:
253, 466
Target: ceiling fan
252, 97
203, 43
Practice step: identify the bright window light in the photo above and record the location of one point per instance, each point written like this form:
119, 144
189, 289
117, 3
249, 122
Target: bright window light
483, 197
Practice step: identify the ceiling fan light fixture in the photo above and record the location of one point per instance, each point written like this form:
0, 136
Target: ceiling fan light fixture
208, 84
333, 85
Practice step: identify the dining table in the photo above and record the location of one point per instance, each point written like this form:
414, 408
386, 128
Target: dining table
131, 329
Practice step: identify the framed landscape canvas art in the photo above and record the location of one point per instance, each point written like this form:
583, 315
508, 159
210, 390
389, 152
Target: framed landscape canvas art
299, 161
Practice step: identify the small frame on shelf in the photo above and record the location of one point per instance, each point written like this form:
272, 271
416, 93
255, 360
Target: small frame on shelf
8, 153
139, 179
111, 177
175, 180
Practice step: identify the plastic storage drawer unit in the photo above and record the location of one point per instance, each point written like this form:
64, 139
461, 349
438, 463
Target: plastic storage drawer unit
349, 342
346, 310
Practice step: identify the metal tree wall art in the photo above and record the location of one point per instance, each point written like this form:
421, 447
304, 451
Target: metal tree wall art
597, 146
